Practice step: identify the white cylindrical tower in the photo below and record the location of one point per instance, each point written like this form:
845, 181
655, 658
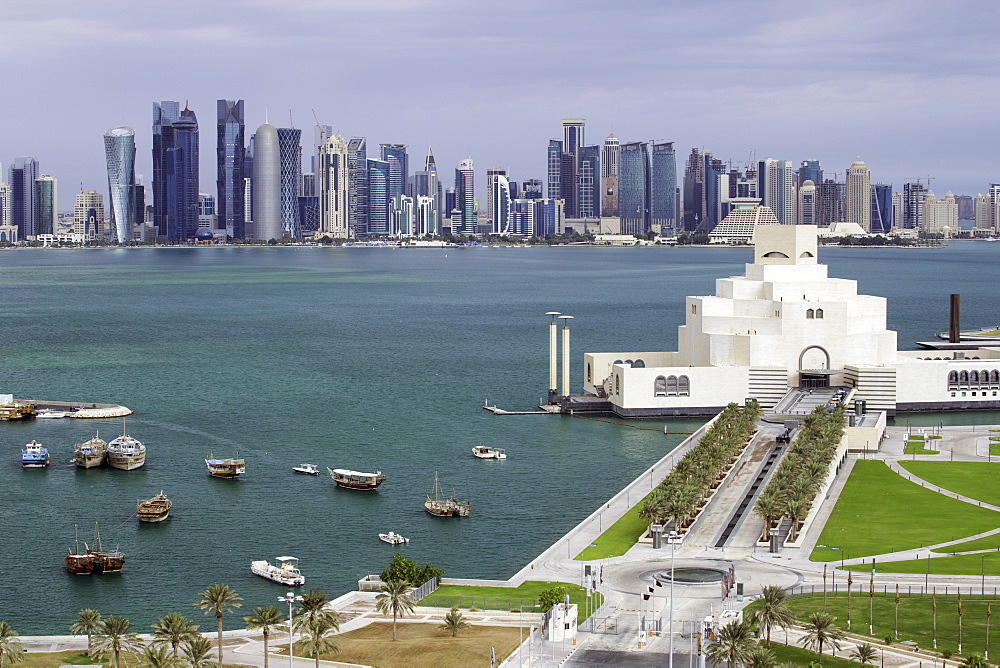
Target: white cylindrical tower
565, 354
553, 340
266, 183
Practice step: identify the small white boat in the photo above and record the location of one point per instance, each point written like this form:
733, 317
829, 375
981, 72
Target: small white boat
286, 572
308, 469
48, 414
392, 538
486, 452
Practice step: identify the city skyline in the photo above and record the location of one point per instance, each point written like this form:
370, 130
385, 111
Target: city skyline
880, 82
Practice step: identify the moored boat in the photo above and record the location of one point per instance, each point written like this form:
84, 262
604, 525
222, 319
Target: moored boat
486, 452
34, 456
125, 452
90, 453
49, 414
155, 509
286, 572
356, 479
393, 538
225, 468
96, 560
450, 507
308, 469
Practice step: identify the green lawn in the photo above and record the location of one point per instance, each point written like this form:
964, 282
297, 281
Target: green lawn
917, 448
915, 619
803, 657
995, 449
976, 480
879, 511
524, 597
963, 564
618, 538
991, 542
54, 659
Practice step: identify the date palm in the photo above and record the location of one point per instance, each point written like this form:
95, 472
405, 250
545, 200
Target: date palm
317, 631
820, 631
10, 646
732, 646
454, 622
114, 638
760, 657
86, 622
218, 599
264, 619
197, 650
864, 654
396, 599
173, 629
770, 611
157, 656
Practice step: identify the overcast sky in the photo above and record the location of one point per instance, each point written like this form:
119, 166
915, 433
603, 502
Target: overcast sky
912, 87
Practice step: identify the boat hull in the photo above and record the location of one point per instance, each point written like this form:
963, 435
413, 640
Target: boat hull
88, 461
126, 462
154, 518
33, 464
358, 486
274, 574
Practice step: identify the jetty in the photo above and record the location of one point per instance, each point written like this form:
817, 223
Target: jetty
500, 411
77, 409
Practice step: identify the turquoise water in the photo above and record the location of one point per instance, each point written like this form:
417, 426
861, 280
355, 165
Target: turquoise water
356, 358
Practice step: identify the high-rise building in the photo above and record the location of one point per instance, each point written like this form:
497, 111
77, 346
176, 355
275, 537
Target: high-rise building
881, 209
694, 190
46, 205
334, 189
913, 205
266, 183
940, 216
984, 215
609, 176
994, 194
119, 152
807, 203
663, 188
830, 203
554, 161
22, 177
165, 114
776, 187
4, 204
399, 167
716, 192
573, 134
425, 218
290, 153
401, 216
491, 174
810, 170
588, 182
427, 184
230, 151
966, 207
175, 171
88, 213
858, 200
498, 201
357, 188
465, 200
897, 209
633, 188
378, 198
532, 189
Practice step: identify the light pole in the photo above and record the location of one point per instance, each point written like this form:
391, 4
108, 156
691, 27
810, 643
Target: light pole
289, 599
670, 625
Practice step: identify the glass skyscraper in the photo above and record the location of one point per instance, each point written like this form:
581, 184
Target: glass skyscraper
399, 167
164, 115
23, 173
230, 151
663, 188
465, 200
290, 154
357, 187
46, 205
378, 197
588, 179
183, 178
633, 188
119, 151
881, 208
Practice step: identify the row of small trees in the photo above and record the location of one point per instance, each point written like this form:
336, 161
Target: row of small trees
679, 497
800, 476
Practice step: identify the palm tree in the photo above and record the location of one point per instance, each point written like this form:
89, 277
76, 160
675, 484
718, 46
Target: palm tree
770, 611
821, 631
173, 629
760, 657
114, 638
864, 654
10, 646
197, 650
316, 632
396, 599
218, 599
732, 645
769, 507
454, 622
86, 623
975, 660
157, 656
264, 619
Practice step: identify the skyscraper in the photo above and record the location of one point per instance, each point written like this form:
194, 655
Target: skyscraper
881, 209
716, 192
23, 173
4, 204
424, 215
588, 182
378, 198
807, 203
694, 190
88, 213
266, 183
230, 171
609, 176
427, 184
663, 188
913, 205
830, 203
119, 152
334, 189
357, 188
290, 153
46, 205
810, 170
491, 174
175, 171
465, 200
984, 215
776, 188
401, 216
399, 167
633, 188
859, 199
498, 200
940, 216
573, 134
164, 115
554, 163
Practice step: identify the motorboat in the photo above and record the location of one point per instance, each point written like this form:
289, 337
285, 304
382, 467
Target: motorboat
49, 414
356, 479
308, 469
34, 456
486, 452
286, 572
393, 538
225, 468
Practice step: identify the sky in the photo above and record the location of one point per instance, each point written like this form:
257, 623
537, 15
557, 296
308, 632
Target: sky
912, 88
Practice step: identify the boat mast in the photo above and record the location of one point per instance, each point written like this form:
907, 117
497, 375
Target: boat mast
76, 536
97, 536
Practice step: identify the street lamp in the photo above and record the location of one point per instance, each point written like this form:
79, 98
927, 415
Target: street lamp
672, 536
289, 599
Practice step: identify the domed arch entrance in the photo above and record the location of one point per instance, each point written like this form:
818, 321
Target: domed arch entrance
814, 367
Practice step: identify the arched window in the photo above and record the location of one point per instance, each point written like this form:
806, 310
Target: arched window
952, 379
810, 314
963, 378
672, 385
819, 314
628, 362
617, 362
984, 378
660, 387
974, 378
683, 386
639, 364
994, 377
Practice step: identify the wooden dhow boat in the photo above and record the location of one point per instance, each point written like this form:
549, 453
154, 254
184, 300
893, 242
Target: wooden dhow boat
225, 468
90, 453
155, 509
96, 560
125, 452
450, 507
356, 479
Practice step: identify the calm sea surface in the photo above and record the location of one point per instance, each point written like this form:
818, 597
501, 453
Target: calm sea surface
357, 358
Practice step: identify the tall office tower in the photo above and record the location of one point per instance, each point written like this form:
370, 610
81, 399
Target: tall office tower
554, 162
465, 199
694, 190
449, 204
881, 209
994, 194
568, 166
427, 184
573, 134
858, 204
716, 192
309, 187
609, 176
807, 203
178, 147
23, 173
334, 189
266, 183
320, 135
119, 152
776, 186
633, 188
549, 217
139, 213
809, 170
984, 215
425, 218
830, 197
46, 205
491, 175
401, 216
913, 205
940, 216
399, 167
897, 209
378, 198
229, 167
165, 114
663, 188
588, 182
498, 200
966, 207
532, 189
207, 213
290, 152
4, 203
522, 217
357, 188
88, 213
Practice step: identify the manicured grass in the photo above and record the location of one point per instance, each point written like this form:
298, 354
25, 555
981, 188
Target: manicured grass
871, 516
976, 480
963, 564
915, 618
524, 597
995, 449
424, 645
55, 659
618, 538
991, 542
803, 657
917, 448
